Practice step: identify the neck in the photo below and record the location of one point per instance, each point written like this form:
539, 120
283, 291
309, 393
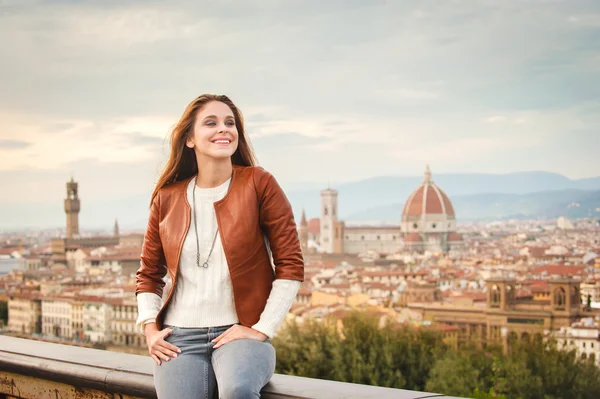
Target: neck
212, 173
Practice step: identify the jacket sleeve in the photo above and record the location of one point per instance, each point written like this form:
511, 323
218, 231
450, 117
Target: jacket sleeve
277, 222
149, 276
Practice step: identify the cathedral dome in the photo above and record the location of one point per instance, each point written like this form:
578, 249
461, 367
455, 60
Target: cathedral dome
413, 237
427, 200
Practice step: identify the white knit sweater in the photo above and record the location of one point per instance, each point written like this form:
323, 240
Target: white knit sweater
203, 297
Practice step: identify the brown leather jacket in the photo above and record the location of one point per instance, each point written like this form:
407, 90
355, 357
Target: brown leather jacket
254, 204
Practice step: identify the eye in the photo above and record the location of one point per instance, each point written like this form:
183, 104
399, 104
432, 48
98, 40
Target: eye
230, 123
210, 123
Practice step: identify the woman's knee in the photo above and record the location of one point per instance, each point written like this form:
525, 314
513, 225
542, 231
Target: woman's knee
238, 390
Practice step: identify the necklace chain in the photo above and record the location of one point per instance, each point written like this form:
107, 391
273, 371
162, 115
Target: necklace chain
205, 264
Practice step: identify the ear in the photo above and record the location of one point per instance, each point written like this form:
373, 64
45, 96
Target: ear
189, 142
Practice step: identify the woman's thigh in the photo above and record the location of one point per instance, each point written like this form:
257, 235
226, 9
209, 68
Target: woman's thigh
190, 374
243, 367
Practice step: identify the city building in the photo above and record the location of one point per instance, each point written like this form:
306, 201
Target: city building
428, 223
24, 313
428, 219
57, 316
72, 208
123, 327
502, 315
582, 336
97, 320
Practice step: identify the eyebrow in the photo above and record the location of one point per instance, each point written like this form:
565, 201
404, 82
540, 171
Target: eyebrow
214, 116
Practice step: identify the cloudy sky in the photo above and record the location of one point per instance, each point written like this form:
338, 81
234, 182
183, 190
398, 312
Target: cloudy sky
331, 90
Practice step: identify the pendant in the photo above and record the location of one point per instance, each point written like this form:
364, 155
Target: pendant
205, 265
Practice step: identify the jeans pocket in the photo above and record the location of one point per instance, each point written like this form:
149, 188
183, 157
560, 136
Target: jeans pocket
174, 330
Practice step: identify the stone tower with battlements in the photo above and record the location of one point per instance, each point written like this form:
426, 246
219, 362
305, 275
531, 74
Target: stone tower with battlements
72, 207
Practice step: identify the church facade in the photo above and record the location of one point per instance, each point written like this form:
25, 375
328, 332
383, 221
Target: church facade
428, 223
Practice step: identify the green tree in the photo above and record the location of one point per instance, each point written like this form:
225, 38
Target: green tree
462, 372
309, 350
368, 352
416, 358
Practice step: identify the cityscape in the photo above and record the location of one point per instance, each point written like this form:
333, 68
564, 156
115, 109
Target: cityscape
495, 281
440, 160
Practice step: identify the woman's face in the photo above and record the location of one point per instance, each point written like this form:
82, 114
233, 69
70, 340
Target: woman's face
215, 134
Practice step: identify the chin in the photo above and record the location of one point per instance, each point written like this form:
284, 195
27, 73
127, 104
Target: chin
222, 155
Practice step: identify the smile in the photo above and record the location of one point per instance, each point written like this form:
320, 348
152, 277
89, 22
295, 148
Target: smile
222, 141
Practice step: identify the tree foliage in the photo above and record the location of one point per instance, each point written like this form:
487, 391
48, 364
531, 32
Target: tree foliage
359, 350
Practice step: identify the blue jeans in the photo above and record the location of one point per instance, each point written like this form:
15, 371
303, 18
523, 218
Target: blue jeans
238, 369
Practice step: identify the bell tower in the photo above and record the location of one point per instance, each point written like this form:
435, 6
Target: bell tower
328, 220
566, 295
501, 293
72, 207
303, 233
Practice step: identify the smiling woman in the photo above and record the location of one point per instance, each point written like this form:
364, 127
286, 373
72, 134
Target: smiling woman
182, 163
225, 300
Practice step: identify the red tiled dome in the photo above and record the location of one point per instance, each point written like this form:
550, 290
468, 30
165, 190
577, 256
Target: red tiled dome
413, 237
426, 200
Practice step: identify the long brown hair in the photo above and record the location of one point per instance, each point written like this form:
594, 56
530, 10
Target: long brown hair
182, 162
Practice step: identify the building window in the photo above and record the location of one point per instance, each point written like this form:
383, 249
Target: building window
560, 298
415, 225
379, 237
495, 296
362, 238
325, 211
433, 226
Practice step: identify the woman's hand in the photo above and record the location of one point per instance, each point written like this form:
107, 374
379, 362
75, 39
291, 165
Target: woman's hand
158, 348
238, 332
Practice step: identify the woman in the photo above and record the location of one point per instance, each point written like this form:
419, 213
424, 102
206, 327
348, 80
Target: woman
215, 219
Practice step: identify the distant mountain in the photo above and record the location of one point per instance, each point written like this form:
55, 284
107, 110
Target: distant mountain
546, 204
475, 196
362, 196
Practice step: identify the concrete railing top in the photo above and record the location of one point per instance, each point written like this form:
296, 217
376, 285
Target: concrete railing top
132, 374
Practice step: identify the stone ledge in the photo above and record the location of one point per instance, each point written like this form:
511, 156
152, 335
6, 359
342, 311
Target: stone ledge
131, 375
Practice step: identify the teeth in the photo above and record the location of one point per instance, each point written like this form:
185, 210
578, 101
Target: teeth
222, 141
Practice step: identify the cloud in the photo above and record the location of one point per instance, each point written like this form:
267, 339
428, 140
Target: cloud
58, 127
13, 144
127, 140
138, 138
336, 90
517, 120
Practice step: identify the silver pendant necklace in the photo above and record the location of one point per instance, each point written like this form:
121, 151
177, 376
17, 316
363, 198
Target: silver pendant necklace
205, 264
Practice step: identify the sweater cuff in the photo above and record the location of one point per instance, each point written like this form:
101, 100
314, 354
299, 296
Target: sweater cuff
278, 305
148, 308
